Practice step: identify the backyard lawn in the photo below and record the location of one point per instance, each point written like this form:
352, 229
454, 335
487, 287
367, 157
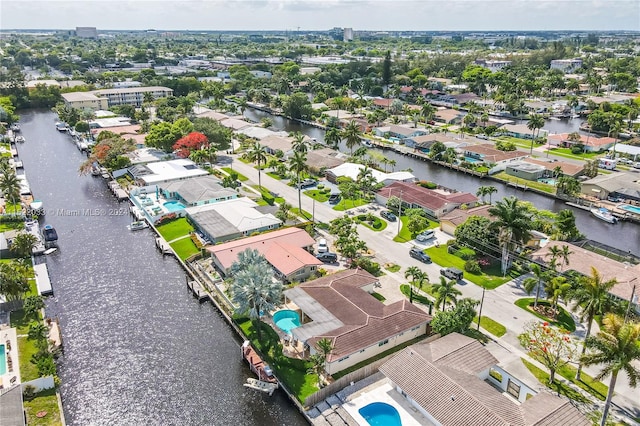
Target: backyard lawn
185, 248
175, 229
551, 189
45, 401
490, 279
26, 347
563, 320
346, 204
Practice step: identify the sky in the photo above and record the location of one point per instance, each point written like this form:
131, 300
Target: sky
421, 15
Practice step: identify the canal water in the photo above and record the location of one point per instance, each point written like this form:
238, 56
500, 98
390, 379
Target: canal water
138, 348
624, 235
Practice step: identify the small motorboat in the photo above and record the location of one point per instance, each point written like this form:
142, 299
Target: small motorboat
138, 225
50, 236
604, 214
15, 127
367, 143
20, 139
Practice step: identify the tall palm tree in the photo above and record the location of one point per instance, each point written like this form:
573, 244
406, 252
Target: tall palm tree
298, 164
333, 137
512, 221
324, 347
482, 191
592, 298
614, 349
446, 292
535, 282
392, 163
352, 135
565, 254
536, 122
556, 288
257, 154
427, 111
491, 190
413, 272
10, 187
299, 143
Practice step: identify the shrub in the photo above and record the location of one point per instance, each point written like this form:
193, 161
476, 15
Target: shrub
427, 184
472, 266
28, 391
368, 265
320, 186
465, 253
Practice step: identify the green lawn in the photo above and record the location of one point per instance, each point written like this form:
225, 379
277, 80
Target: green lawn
241, 177
292, 372
560, 388
587, 383
566, 152
346, 204
490, 279
393, 267
551, 189
185, 248
267, 196
377, 224
564, 319
405, 235
275, 175
175, 229
45, 400
491, 326
6, 226
304, 213
404, 288
318, 195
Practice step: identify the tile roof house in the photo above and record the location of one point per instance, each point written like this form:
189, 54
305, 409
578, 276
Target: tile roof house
319, 160
287, 251
435, 203
448, 116
521, 131
488, 154
399, 132
448, 381
198, 191
274, 143
624, 184
340, 307
382, 103
424, 142
352, 170
450, 221
591, 144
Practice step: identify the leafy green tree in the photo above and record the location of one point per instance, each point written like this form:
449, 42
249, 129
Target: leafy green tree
333, 137
567, 185
551, 347
10, 187
446, 292
393, 203
592, 298
457, 319
217, 135
348, 242
257, 154
512, 222
386, 69
475, 233
32, 305
417, 221
615, 348
297, 106
565, 223
23, 244
284, 212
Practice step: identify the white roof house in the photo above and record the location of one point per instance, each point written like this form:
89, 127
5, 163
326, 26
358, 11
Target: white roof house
260, 133
166, 171
235, 124
353, 169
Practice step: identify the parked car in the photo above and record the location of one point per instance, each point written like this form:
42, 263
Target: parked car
416, 253
307, 183
482, 136
637, 165
334, 198
327, 257
452, 273
388, 215
426, 235
323, 247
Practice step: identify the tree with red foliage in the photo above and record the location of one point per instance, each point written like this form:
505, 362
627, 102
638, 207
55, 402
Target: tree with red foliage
193, 141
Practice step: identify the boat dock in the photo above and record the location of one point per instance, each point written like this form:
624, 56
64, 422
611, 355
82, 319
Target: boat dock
117, 190
163, 246
33, 228
198, 291
42, 279
262, 370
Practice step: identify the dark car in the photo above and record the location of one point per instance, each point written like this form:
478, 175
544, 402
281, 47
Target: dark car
452, 273
416, 253
307, 183
327, 257
388, 215
334, 198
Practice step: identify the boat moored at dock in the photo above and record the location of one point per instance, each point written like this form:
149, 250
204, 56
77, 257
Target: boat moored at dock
50, 236
137, 225
603, 213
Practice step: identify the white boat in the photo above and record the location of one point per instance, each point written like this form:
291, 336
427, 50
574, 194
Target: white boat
367, 143
20, 139
50, 236
15, 127
604, 214
265, 387
51, 250
137, 225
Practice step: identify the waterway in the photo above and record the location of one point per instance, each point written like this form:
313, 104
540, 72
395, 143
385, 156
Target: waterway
624, 235
138, 348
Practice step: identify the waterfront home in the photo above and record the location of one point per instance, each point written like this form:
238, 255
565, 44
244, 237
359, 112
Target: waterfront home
85, 101
568, 169
147, 155
622, 184
398, 133
106, 98
165, 171
582, 260
235, 124
488, 154
341, 308
521, 131
208, 113
435, 203
381, 103
590, 143
525, 170
260, 133
362, 123
319, 160
455, 380
287, 250
230, 219
197, 191
352, 170
272, 144
450, 221
424, 142
448, 116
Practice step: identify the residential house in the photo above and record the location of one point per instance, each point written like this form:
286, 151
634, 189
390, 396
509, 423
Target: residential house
235, 124
450, 221
399, 133
352, 170
319, 160
382, 103
423, 143
590, 143
230, 219
525, 170
456, 381
363, 124
435, 203
448, 116
568, 169
521, 131
287, 250
272, 144
491, 65
165, 171
623, 184
197, 191
582, 260
488, 154
340, 307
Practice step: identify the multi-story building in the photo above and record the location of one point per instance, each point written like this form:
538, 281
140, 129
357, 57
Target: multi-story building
347, 34
566, 65
492, 65
106, 98
87, 32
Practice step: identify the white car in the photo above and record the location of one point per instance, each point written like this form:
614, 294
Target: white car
426, 235
322, 246
637, 165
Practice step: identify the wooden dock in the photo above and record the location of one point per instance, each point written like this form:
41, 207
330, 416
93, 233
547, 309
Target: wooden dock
163, 246
262, 370
197, 290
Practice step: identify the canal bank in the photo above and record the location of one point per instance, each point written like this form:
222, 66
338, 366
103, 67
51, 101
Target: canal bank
138, 348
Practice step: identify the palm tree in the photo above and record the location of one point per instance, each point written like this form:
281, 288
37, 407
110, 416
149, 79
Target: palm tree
555, 288
491, 190
298, 164
482, 191
446, 292
529, 284
593, 298
392, 163
283, 212
536, 121
413, 272
614, 348
324, 347
512, 223
333, 137
565, 252
299, 143
427, 111
352, 135
317, 366
257, 154
23, 243
10, 187
198, 156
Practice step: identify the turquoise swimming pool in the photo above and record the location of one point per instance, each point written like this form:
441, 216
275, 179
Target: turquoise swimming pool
629, 208
3, 360
380, 414
286, 320
173, 206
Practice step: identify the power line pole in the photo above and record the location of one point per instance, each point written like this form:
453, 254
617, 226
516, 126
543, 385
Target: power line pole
480, 312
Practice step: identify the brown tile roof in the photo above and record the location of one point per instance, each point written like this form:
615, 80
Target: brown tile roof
585, 140
366, 320
428, 140
441, 376
460, 216
417, 195
447, 114
386, 103
493, 155
325, 158
568, 169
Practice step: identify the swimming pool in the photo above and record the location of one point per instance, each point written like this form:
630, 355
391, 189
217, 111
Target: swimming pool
380, 414
548, 181
173, 206
629, 208
472, 160
286, 320
3, 360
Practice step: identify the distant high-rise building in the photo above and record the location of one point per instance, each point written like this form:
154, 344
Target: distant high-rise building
87, 32
347, 34
566, 65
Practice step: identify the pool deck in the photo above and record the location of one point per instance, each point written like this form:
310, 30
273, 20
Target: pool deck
12, 375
